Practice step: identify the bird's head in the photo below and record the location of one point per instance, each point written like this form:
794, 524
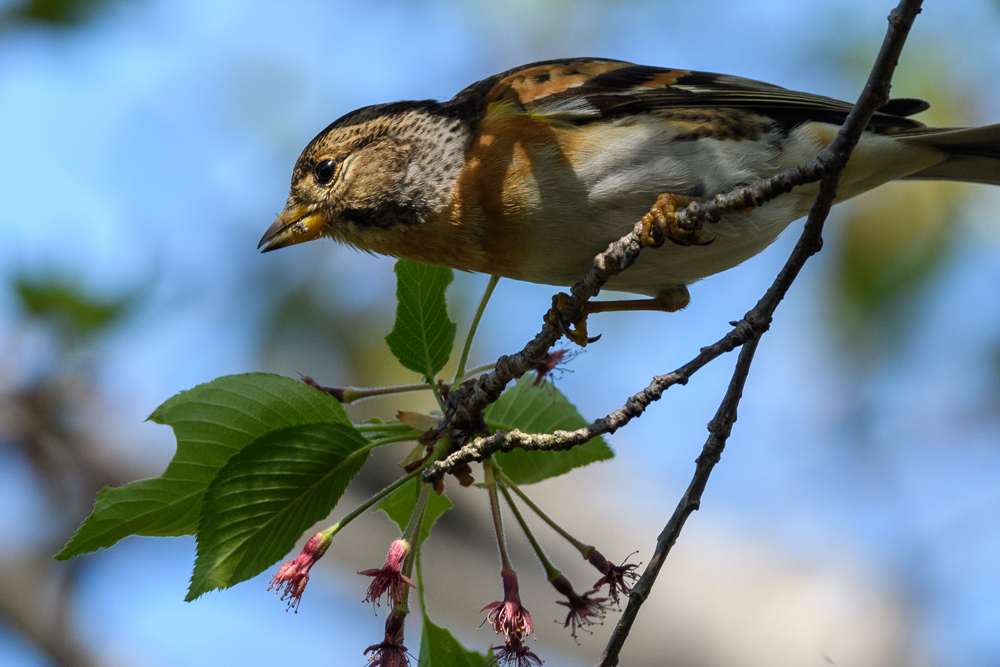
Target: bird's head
358, 174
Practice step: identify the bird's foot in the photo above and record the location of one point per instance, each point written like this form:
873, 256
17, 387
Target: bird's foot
575, 331
660, 223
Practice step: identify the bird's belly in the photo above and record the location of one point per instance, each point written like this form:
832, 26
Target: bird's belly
737, 238
617, 174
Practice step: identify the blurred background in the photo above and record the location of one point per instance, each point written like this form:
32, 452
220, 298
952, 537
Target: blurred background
146, 145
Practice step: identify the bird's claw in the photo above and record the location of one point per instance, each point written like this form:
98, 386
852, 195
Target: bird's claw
660, 224
574, 331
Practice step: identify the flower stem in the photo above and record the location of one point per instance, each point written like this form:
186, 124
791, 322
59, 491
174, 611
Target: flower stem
412, 531
390, 439
351, 394
551, 571
420, 584
472, 372
437, 395
460, 371
584, 549
412, 535
360, 509
414, 527
491, 488
390, 428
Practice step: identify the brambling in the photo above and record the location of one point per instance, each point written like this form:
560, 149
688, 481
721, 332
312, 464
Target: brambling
530, 173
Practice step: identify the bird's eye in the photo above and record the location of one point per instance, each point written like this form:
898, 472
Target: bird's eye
325, 171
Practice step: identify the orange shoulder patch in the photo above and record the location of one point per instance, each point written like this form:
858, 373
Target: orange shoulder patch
663, 79
534, 83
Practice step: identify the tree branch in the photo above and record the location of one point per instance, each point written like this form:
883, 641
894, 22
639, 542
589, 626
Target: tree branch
505, 441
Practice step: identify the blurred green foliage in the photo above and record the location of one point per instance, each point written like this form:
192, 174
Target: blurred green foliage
72, 311
315, 315
57, 13
895, 240
893, 244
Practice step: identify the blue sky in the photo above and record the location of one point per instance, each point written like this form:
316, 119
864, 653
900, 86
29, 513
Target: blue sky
152, 147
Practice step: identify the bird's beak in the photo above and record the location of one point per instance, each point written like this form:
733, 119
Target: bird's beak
296, 224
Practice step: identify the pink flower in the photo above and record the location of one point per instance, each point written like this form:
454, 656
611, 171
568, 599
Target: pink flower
293, 576
391, 652
615, 576
584, 610
390, 578
514, 654
545, 367
509, 617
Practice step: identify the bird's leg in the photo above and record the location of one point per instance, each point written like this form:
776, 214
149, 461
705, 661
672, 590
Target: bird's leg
670, 300
660, 223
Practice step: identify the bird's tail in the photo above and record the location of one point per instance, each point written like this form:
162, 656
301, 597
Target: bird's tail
973, 153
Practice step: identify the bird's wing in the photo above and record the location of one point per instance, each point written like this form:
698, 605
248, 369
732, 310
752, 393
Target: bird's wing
588, 89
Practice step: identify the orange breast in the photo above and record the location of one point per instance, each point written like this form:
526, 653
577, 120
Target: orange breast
498, 193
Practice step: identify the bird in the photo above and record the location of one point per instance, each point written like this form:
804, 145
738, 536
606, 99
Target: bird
530, 173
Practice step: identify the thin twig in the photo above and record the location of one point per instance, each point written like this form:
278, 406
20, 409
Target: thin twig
460, 372
719, 429
505, 441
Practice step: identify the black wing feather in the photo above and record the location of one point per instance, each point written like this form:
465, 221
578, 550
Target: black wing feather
620, 92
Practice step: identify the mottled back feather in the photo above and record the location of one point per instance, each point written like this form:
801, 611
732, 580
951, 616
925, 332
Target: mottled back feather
585, 90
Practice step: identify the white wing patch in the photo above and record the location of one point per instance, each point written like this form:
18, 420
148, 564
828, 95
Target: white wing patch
568, 108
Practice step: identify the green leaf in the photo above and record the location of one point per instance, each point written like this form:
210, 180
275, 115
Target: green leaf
541, 409
212, 422
438, 648
399, 505
423, 335
267, 495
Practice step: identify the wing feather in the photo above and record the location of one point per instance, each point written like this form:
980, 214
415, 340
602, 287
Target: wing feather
590, 89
